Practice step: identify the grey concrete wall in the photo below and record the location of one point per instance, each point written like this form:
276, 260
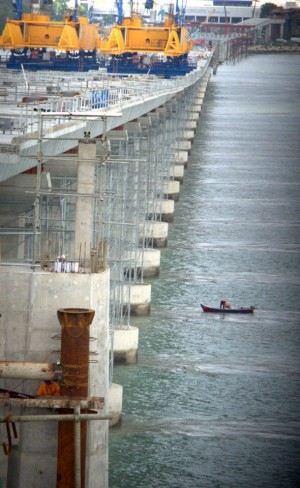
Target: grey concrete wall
29, 301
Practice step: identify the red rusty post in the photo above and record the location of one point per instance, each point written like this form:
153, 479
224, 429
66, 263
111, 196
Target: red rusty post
75, 336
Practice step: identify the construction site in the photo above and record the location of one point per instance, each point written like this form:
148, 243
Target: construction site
90, 171
91, 163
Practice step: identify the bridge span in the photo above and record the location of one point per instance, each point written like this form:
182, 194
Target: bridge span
90, 172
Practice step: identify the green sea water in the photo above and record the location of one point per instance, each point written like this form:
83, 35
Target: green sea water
214, 402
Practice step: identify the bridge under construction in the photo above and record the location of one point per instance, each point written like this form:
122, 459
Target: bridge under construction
90, 172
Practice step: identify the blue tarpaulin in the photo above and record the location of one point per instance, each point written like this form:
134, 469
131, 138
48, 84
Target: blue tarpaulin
100, 98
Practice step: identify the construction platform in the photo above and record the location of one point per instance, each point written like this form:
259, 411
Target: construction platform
61, 108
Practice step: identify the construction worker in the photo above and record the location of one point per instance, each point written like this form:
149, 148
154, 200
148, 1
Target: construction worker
48, 388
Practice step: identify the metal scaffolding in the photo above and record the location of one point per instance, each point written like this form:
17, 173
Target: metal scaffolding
133, 165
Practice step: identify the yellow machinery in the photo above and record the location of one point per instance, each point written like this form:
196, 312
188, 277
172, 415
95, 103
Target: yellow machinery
131, 37
35, 30
35, 41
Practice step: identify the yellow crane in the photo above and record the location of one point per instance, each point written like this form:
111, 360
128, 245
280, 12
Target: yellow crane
33, 37
35, 30
130, 35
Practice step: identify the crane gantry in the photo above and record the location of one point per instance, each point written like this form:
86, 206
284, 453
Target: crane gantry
75, 41
130, 35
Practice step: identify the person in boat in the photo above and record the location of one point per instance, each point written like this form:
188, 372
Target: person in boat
225, 304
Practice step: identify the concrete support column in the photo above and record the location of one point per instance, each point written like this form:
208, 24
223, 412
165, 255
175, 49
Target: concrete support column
191, 124
150, 263
203, 88
198, 105
115, 401
185, 145
138, 295
177, 173
158, 234
189, 134
27, 335
165, 208
171, 190
183, 156
85, 203
194, 115
126, 345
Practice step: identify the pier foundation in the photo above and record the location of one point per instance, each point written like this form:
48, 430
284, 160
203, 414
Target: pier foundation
126, 345
115, 402
138, 297
149, 263
31, 333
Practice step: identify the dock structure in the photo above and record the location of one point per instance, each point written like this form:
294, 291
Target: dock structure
231, 42
90, 171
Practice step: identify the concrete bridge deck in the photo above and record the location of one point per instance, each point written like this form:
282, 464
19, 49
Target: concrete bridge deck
50, 113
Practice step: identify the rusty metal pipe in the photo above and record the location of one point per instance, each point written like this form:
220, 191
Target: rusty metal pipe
75, 324
30, 371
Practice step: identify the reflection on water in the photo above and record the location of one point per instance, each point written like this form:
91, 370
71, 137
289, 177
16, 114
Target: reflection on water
214, 401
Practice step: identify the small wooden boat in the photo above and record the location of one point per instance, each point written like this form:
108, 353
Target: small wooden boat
227, 310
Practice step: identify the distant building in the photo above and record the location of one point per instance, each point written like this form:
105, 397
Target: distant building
220, 11
285, 23
100, 8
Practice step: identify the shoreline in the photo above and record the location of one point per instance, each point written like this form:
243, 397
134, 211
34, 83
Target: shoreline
274, 49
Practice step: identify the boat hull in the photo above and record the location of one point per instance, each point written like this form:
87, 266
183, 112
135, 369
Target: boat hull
227, 310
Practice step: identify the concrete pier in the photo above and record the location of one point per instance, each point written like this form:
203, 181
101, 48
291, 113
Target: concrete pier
151, 263
178, 173
171, 189
188, 134
165, 208
30, 332
138, 297
191, 124
126, 345
183, 156
115, 400
157, 235
194, 115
